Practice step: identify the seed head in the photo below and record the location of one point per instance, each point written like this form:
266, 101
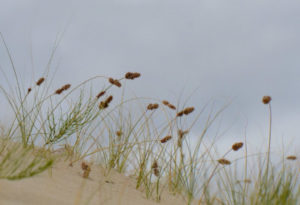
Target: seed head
119, 133
109, 99
291, 157
100, 94
165, 139
62, 89
84, 166
152, 106
224, 161
165, 102
29, 90
154, 165
59, 91
172, 107
86, 169
236, 146
266, 99
111, 80
40, 81
66, 87
156, 172
188, 110
179, 114
132, 76
103, 105
115, 82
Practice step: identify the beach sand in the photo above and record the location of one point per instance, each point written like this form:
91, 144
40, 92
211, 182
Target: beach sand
64, 185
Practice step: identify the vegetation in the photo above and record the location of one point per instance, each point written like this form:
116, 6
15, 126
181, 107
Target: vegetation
153, 141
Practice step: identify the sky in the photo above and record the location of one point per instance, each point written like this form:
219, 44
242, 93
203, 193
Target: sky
229, 50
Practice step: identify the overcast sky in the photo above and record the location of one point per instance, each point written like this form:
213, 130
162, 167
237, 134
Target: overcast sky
239, 50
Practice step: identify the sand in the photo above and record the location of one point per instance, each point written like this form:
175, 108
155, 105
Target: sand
63, 184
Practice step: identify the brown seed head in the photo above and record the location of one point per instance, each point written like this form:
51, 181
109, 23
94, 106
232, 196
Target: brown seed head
152, 106
66, 87
156, 172
84, 166
224, 161
103, 105
100, 94
154, 165
59, 91
29, 90
236, 146
179, 114
119, 133
111, 80
40, 81
172, 107
266, 99
188, 110
155, 106
115, 82
109, 99
165, 102
132, 76
291, 157
165, 139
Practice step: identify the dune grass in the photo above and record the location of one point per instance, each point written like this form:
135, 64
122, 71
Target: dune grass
150, 139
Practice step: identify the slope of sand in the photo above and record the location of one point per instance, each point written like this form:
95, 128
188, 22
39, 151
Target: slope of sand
64, 184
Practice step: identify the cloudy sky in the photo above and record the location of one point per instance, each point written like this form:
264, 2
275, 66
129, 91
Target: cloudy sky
227, 50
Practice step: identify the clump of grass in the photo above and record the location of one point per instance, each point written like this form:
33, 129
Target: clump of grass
18, 162
137, 141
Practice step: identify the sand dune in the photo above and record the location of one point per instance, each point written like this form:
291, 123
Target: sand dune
64, 184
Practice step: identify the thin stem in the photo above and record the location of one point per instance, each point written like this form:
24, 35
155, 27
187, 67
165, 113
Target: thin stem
269, 137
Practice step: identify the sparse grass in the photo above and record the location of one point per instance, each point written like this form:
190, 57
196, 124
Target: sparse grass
151, 139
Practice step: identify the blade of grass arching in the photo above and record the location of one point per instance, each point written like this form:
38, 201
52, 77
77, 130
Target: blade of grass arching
207, 126
19, 162
12, 66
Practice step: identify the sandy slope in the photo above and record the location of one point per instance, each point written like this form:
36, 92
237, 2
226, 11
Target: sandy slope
65, 185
